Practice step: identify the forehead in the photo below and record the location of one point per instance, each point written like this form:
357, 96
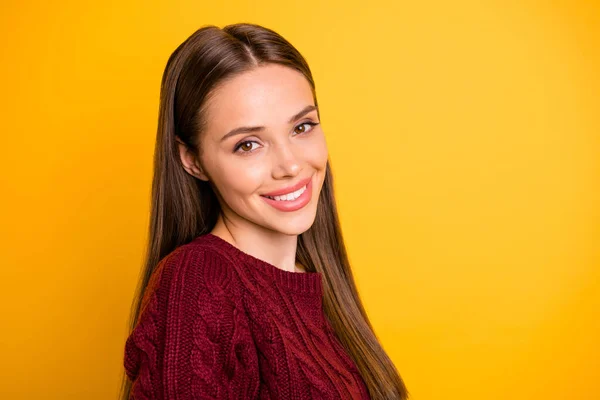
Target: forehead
265, 95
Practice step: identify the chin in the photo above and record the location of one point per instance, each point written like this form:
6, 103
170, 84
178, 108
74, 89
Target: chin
292, 225
294, 231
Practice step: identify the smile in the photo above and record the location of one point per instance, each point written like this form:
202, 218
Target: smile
291, 201
290, 196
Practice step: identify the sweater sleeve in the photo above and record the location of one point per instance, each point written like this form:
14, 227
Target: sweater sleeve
192, 339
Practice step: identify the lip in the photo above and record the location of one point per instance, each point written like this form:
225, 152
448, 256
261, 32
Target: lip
292, 205
289, 189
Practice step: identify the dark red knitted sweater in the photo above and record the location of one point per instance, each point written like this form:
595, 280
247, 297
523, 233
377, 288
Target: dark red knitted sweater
217, 323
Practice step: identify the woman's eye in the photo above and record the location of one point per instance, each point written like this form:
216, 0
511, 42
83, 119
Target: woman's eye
246, 146
307, 123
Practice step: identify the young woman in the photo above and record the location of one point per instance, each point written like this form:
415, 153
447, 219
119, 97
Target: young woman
247, 292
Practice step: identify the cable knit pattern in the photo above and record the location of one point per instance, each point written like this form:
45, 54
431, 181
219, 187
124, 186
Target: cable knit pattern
217, 323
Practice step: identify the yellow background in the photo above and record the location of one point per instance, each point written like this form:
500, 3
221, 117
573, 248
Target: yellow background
465, 142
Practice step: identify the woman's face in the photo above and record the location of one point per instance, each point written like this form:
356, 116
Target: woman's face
283, 149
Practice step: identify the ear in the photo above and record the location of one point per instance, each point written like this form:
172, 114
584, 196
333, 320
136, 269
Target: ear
189, 161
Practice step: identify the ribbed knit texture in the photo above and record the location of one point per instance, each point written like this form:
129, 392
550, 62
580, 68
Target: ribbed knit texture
217, 323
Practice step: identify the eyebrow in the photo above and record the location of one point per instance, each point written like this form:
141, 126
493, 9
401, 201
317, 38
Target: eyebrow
250, 129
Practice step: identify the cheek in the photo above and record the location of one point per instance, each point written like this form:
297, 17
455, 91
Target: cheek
240, 178
319, 153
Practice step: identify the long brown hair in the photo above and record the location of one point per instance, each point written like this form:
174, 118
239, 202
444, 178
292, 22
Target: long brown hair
184, 207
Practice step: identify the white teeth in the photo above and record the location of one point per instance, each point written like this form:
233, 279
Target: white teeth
290, 196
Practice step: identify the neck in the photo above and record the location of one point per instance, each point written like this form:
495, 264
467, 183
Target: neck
275, 248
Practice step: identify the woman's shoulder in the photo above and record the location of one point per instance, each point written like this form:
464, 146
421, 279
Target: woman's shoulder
188, 313
185, 278
198, 263
186, 275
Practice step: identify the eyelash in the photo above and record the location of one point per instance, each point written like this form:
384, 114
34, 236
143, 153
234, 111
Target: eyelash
235, 150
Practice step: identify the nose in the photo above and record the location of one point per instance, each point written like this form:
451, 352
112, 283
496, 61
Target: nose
286, 161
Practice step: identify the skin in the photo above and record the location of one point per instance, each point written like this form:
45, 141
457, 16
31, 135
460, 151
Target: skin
279, 156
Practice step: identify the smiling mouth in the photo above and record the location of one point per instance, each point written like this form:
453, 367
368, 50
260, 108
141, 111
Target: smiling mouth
290, 192
290, 196
292, 201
